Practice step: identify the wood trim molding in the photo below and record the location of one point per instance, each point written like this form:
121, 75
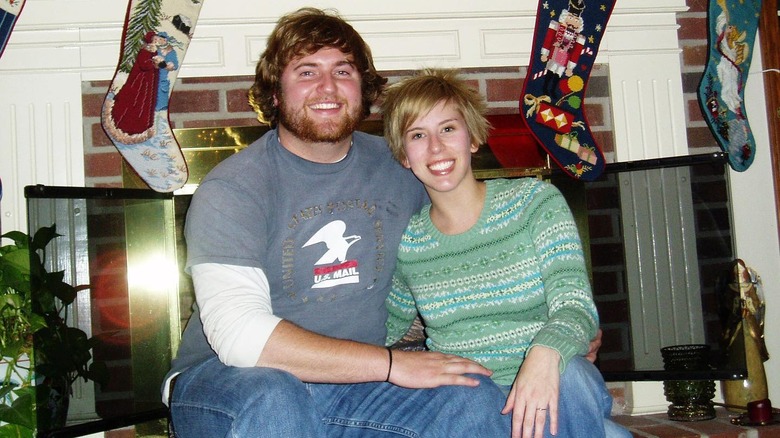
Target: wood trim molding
768, 26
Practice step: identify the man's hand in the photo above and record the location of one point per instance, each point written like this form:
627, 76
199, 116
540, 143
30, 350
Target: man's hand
427, 369
595, 344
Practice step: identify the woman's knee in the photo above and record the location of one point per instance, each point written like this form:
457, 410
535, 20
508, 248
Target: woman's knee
583, 387
581, 373
487, 394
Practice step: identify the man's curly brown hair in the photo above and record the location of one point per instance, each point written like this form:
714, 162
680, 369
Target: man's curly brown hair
302, 33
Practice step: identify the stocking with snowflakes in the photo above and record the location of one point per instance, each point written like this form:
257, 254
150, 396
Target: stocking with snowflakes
732, 31
565, 44
9, 13
135, 111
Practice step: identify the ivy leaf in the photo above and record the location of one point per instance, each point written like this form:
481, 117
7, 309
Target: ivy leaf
19, 411
20, 239
43, 236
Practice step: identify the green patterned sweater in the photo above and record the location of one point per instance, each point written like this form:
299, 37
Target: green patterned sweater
516, 279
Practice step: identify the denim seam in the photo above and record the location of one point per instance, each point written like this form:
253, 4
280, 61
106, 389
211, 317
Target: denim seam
200, 407
345, 422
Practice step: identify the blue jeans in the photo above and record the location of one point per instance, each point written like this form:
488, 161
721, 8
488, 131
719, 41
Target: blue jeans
584, 404
212, 400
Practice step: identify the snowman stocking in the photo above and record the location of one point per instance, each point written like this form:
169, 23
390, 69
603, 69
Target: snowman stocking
732, 31
9, 13
566, 40
135, 110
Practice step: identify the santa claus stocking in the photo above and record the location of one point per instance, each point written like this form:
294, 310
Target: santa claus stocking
732, 31
135, 110
9, 13
566, 40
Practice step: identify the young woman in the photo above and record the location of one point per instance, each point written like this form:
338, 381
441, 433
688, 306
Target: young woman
495, 268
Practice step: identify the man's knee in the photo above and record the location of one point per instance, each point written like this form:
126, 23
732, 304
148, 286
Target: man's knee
476, 408
243, 400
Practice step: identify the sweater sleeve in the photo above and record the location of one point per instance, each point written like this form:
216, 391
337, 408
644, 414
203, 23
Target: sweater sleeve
573, 318
401, 310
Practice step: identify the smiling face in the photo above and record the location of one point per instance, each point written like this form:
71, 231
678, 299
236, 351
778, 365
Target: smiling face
438, 148
320, 97
160, 41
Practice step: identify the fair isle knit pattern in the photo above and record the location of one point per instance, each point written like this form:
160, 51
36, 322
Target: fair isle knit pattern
516, 279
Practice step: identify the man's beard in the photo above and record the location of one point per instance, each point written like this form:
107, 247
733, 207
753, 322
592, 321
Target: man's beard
302, 126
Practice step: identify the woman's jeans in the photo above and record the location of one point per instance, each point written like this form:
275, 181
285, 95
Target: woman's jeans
584, 404
213, 400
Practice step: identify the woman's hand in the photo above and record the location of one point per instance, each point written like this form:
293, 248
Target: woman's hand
535, 393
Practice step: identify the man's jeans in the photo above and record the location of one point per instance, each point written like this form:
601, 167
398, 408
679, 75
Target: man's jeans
214, 400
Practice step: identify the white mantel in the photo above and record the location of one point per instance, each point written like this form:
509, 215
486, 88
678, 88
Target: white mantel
57, 44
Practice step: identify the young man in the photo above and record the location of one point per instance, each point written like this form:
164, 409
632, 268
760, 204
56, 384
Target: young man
291, 246
495, 268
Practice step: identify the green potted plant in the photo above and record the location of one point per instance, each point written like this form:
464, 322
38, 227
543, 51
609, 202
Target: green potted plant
62, 354
17, 325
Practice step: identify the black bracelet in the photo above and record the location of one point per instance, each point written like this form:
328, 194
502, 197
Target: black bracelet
389, 368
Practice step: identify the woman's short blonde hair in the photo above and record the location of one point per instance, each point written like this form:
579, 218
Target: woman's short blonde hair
407, 100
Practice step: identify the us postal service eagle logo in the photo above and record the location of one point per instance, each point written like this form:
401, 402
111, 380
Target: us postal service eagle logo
334, 268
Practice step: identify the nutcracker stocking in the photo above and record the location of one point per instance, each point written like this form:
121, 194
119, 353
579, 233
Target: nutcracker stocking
566, 40
9, 13
732, 31
135, 111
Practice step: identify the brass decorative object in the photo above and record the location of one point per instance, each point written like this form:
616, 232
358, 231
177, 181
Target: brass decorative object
743, 335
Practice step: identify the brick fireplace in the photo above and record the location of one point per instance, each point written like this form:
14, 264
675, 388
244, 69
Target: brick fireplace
221, 101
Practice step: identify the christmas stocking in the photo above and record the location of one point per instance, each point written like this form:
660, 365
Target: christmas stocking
9, 12
135, 110
732, 30
566, 40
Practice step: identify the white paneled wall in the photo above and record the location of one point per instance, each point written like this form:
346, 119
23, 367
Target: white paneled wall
40, 137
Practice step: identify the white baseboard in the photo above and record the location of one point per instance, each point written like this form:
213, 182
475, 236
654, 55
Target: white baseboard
642, 398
